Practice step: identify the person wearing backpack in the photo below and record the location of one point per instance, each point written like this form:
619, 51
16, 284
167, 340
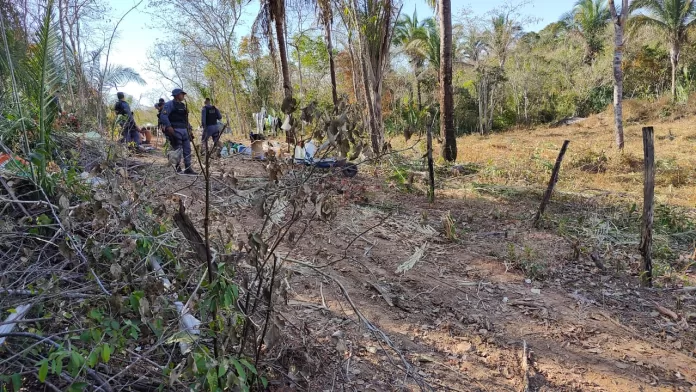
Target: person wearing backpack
209, 122
129, 129
174, 118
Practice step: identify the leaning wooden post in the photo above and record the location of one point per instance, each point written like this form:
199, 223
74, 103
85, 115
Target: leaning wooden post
648, 204
552, 183
431, 169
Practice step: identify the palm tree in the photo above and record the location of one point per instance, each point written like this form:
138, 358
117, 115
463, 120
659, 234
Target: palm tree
411, 35
504, 31
619, 18
673, 18
449, 148
273, 11
432, 44
589, 19
373, 22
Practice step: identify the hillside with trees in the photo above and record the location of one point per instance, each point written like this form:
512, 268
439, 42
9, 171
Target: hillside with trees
391, 200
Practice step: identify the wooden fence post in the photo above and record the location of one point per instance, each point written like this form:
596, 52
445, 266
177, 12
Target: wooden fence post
431, 168
648, 205
552, 183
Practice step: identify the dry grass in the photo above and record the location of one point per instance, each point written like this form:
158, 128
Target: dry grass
525, 157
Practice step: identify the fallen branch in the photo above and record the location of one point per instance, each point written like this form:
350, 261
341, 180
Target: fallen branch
525, 367
667, 312
30, 292
383, 293
14, 197
13, 319
25, 321
187, 228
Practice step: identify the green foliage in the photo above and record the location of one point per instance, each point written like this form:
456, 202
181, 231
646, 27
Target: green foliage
313, 52
589, 19
646, 72
598, 100
232, 372
526, 261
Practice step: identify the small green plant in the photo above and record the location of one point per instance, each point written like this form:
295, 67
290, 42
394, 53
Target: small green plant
526, 261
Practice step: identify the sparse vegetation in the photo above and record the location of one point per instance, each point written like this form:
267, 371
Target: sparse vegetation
364, 266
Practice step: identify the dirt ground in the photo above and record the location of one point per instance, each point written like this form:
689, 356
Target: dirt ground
463, 318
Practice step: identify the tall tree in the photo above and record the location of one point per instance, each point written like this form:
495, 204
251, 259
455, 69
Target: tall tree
373, 21
449, 148
501, 33
673, 18
619, 17
504, 30
431, 51
272, 14
589, 19
412, 36
326, 15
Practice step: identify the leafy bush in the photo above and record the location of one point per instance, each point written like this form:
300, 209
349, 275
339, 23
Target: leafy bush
592, 162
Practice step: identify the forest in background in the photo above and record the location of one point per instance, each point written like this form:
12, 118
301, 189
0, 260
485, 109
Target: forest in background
503, 76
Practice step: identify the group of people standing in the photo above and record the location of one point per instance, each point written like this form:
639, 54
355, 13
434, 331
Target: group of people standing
173, 122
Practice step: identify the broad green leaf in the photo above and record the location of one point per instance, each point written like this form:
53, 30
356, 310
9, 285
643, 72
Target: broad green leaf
249, 366
181, 337
211, 376
106, 352
240, 370
78, 387
43, 370
93, 357
17, 381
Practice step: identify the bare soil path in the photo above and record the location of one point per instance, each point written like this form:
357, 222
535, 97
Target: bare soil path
458, 318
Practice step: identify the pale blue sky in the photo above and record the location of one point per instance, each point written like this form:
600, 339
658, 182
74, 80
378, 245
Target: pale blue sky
137, 32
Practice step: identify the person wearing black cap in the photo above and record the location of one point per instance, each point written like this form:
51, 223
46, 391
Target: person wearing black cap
174, 118
129, 129
209, 121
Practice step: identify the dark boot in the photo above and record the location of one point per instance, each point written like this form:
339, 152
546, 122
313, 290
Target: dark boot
190, 172
178, 169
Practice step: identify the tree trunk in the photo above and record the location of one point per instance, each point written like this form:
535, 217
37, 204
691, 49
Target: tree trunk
374, 134
240, 121
449, 148
418, 89
491, 108
299, 70
332, 66
431, 168
618, 85
674, 59
62, 21
378, 134
282, 49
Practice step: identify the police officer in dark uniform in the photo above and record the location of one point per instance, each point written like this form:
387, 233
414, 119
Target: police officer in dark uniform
174, 118
209, 121
159, 106
129, 129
